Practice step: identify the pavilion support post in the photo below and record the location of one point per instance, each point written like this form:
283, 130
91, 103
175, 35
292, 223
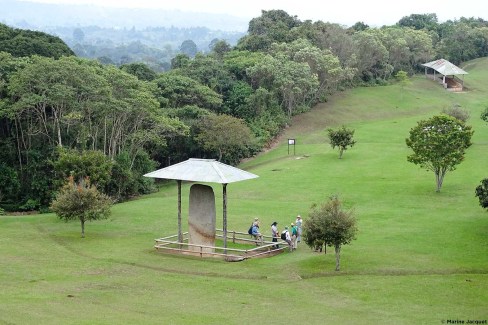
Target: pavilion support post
180, 233
224, 208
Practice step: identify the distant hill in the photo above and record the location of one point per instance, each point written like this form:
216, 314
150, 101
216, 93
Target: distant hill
20, 42
122, 35
32, 15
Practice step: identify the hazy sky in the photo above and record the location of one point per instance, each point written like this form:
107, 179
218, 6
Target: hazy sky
346, 12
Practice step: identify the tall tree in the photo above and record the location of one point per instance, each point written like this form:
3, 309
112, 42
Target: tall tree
189, 48
419, 21
178, 91
226, 136
439, 144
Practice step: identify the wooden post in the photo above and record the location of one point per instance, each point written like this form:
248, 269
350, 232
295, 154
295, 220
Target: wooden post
224, 208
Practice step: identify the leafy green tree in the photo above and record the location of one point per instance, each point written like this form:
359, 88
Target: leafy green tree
180, 61
482, 193
341, 138
484, 115
189, 48
209, 71
227, 136
19, 43
359, 26
220, 48
372, 55
439, 144
81, 201
89, 163
459, 44
419, 21
402, 78
9, 182
176, 91
272, 26
236, 62
140, 70
331, 224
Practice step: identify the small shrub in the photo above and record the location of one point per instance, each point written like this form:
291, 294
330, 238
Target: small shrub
457, 112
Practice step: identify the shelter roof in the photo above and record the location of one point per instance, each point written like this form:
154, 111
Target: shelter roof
444, 67
202, 170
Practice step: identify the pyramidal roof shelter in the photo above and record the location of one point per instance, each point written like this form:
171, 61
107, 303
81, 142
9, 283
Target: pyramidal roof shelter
202, 170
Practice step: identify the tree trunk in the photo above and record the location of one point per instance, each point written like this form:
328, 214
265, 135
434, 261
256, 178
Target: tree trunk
439, 177
82, 228
338, 256
341, 151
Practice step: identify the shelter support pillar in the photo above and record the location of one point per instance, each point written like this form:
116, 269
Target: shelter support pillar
180, 233
224, 208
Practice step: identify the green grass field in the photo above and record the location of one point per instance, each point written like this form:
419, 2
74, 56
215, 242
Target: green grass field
420, 256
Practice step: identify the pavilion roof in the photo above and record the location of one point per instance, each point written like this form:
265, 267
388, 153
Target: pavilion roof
202, 170
444, 67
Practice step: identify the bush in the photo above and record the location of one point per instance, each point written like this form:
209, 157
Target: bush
482, 193
457, 112
484, 115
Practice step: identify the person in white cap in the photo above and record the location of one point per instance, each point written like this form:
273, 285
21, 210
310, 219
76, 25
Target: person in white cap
299, 223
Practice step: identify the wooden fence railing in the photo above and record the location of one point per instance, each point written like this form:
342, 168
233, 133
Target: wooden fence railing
264, 247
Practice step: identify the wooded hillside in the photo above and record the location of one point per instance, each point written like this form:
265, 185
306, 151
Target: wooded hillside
61, 115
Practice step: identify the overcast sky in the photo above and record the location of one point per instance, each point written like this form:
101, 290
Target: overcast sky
346, 12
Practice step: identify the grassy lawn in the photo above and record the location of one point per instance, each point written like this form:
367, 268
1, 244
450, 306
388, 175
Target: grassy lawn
420, 256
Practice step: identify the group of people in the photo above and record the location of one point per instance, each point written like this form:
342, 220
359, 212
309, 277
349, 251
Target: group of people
292, 236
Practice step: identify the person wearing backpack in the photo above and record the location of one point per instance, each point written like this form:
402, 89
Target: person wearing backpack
256, 234
285, 235
255, 222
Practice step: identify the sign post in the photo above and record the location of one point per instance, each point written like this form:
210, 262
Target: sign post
291, 142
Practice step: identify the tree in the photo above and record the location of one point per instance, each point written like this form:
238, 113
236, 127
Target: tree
228, 136
439, 144
219, 48
359, 26
20, 42
341, 138
330, 224
484, 115
89, 163
482, 193
140, 70
177, 91
419, 21
189, 48
402, 78
81, 201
